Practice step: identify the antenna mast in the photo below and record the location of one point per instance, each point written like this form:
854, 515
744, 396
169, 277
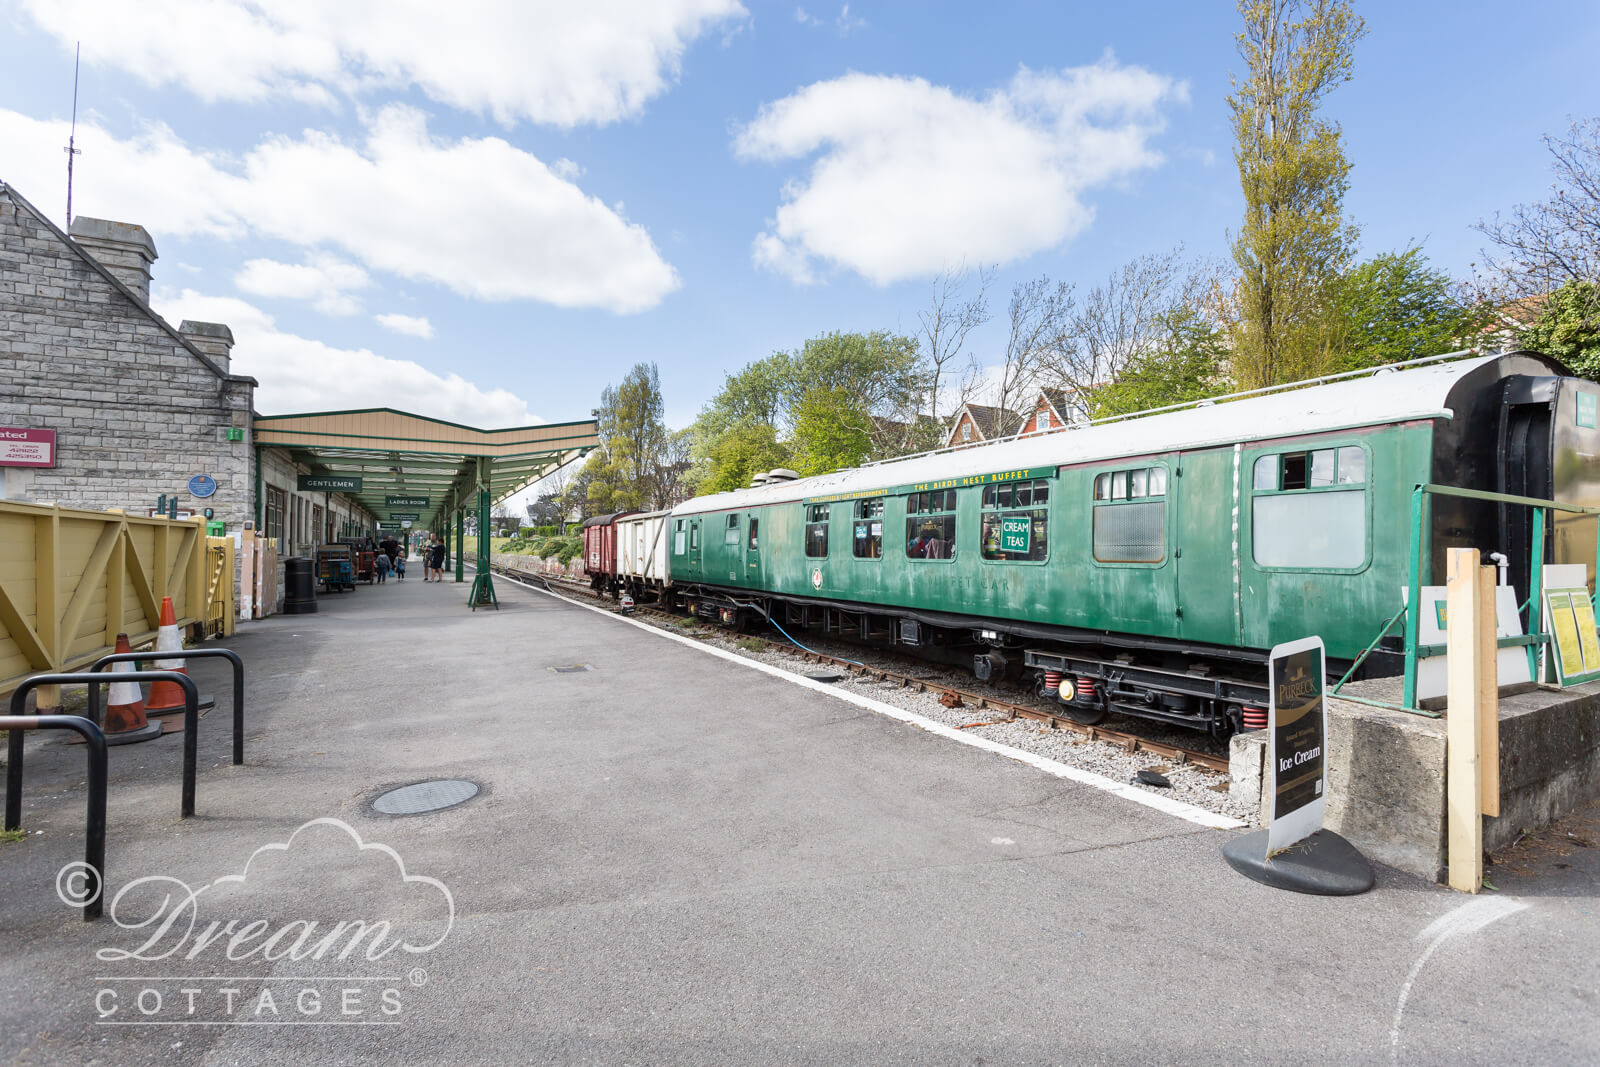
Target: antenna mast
73, 136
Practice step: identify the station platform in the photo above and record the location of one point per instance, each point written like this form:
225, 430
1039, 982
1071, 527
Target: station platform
675, 858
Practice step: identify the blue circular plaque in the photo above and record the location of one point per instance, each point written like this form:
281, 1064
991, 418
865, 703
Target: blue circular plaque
202, 485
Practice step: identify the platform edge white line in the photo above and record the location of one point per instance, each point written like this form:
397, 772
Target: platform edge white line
1166, 805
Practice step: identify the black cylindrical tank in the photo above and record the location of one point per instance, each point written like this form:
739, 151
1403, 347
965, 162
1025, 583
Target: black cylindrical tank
299, 586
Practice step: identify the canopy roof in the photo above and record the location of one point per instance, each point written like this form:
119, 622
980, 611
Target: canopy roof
398, 454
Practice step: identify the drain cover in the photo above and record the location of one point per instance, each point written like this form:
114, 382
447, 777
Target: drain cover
425, 796
575, 668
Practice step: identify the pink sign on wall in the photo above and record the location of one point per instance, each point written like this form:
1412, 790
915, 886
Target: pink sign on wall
27, 448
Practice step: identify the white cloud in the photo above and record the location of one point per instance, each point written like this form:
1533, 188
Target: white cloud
325, 281
844, 22
552, 61
294, 371
477, 215
913, 176
411, 325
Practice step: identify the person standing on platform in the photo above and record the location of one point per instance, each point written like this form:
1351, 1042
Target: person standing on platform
380, 563
400, 567
437, 560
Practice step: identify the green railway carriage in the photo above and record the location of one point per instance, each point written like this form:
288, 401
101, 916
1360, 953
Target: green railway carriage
1146, 565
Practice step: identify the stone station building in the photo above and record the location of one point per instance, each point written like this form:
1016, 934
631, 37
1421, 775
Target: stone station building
138, 408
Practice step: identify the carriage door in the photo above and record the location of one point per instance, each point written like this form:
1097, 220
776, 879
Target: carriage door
1203, 498
686, 549
752, 552
1526, 469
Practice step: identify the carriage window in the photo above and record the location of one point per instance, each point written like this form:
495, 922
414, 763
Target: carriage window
755, 541
1310, 509
1136, 484
1130, 516
867, 542
1016, 535
731, 537
694, 535
931, 525
816, 530
679, 538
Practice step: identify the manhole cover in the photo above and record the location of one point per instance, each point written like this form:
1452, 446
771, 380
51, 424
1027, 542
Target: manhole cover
425, 796
574, 668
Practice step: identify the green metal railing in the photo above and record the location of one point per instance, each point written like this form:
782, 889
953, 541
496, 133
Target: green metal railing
1535, 638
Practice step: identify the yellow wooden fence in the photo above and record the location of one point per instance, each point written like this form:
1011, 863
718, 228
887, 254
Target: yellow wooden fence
71, 580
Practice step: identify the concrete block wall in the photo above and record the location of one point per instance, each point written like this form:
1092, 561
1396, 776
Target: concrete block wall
136, 410
1387, 771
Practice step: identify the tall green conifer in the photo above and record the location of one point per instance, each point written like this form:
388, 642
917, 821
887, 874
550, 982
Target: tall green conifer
1295, 240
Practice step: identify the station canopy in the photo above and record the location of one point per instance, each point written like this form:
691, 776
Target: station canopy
398, 464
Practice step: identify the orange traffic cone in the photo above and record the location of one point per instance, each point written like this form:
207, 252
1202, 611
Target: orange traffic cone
166, 698
125, 717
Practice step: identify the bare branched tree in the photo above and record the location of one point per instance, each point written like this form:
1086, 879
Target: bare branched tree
1540, 247
673, 466
1039, 317
947, 321
1126, 316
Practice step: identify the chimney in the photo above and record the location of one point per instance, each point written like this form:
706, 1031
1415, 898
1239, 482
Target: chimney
122, 248
212, 338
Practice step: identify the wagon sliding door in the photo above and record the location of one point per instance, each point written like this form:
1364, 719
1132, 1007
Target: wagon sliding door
1205, 498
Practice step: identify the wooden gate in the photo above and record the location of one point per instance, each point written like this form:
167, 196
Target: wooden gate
71, 580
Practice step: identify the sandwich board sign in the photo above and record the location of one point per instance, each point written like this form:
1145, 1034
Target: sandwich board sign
1296, 741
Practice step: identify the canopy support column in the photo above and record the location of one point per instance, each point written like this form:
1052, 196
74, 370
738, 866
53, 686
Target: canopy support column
461, 540
482, 592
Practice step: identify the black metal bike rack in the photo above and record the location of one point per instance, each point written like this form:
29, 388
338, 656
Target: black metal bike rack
94, 830
191, 724
188, 653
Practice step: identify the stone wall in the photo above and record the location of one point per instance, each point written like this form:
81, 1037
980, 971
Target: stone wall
1387, 771
136, 410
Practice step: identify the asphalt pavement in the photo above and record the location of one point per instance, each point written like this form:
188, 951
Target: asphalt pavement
677, 859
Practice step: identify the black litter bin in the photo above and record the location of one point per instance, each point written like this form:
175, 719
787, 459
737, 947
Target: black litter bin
299, 586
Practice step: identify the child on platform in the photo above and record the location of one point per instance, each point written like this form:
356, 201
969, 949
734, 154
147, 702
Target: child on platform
380, 563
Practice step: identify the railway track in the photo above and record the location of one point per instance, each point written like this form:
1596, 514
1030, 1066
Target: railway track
1128, 742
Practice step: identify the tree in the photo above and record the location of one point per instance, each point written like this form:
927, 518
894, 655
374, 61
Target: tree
1038, 337
828, 432
1543, 246
1124, 319
840, 399
631, 428
1294, 240
673, 487
1395, 307
1568, 329
1185, 363
734, 457
1553, 247
946, 323
853, 386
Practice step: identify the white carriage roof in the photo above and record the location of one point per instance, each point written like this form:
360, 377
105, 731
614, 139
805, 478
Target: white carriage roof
1386, 397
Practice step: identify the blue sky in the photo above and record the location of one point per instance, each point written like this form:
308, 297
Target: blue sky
488, 211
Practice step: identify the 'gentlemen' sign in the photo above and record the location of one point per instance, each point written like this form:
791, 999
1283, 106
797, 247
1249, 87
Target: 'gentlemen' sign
1296, 741
328, 483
